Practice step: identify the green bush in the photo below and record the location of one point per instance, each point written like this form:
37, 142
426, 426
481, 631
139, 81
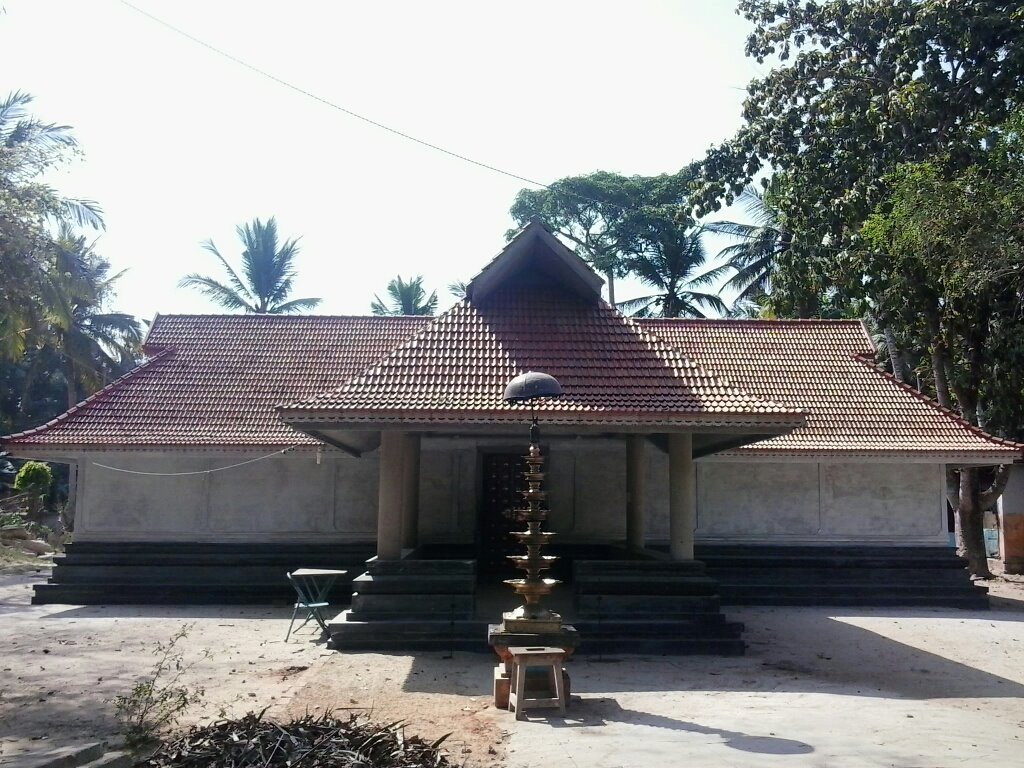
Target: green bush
34, 477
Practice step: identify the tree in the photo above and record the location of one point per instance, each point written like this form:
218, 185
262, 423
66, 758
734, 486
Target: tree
407, 298
753, 259
268, 271
457, 288
861, 88
28, 211
597, 213
93, 345
667, 253
34, 480
946, 262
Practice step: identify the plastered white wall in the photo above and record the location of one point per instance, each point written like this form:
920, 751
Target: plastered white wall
293, 498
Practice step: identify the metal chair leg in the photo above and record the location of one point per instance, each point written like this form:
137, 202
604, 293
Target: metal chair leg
291, 624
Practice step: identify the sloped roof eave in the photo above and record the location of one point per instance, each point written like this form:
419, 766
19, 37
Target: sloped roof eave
777, 422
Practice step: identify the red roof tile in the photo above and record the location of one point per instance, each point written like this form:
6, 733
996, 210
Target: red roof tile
213, 380
610, 371
820, 365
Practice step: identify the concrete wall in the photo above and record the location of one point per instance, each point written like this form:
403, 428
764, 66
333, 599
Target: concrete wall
289, 498
797, 502
293, 498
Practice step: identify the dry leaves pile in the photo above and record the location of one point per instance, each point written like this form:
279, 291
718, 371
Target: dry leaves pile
313, 741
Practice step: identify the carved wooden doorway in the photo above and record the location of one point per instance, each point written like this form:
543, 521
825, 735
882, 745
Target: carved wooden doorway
502, 481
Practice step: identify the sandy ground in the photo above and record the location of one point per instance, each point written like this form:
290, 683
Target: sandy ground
818, 687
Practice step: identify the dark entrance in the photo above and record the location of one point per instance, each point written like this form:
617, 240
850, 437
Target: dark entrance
502, 481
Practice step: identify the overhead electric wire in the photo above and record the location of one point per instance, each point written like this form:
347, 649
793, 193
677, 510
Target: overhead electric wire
376, 123
328, 102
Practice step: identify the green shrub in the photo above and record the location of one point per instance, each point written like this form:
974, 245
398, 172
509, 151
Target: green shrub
158, 700
34, 477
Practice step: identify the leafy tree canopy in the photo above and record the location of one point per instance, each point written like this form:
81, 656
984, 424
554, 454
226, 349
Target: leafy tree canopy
598, 212
862, 87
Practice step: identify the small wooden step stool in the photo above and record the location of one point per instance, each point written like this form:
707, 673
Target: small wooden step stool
524, 657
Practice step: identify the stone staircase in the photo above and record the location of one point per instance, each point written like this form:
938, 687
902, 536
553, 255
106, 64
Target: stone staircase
842, 576
651, 606
412, 604
104, 573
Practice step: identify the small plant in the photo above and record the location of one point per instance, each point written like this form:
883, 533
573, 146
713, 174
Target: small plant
158, 700
34, 479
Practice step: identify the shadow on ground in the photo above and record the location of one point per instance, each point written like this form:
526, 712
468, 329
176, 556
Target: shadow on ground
793, 651
595, 712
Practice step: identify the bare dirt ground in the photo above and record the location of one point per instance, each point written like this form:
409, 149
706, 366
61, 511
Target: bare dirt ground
818, 687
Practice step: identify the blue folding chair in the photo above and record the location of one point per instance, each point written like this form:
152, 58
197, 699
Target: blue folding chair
312, 588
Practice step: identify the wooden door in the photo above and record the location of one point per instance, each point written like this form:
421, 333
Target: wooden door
502, 482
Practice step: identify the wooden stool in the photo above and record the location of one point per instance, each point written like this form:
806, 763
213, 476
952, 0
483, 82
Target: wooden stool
522, 658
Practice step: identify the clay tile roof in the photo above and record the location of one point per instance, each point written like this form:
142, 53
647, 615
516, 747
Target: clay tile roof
457, 367
213, 380
825, 366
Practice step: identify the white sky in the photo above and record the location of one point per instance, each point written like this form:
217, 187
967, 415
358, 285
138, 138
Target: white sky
181, 145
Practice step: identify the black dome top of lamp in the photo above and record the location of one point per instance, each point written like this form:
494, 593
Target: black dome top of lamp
530, 386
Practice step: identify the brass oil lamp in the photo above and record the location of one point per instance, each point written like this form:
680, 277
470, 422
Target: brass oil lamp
531, 617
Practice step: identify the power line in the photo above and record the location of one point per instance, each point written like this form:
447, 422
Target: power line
377, 124
328, 102
196, 472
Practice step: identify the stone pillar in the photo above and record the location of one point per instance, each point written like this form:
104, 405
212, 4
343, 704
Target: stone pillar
636, 532
389, 505
1011, 522
411, 491
682, 495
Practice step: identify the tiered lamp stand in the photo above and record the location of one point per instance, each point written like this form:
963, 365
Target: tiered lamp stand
530, 626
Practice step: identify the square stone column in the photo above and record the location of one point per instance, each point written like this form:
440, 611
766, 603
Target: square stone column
682, 495
636, 528
389, 505
411, 491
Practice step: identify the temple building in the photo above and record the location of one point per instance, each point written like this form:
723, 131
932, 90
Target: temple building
690, 463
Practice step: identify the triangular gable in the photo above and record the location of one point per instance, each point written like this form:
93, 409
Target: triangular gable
538, 255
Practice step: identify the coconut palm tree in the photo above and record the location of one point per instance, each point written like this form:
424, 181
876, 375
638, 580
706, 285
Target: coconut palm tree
670, 258
93, 345
754, 258
407, 298
28, 209
458, 288
267, 273
28, 147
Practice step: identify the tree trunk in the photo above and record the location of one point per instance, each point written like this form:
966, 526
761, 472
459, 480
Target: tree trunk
67, 516
939, 372
611, 287
972, 526
69, 378
895, 355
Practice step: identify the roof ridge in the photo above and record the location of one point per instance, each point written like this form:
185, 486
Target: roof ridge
91, 399
752, 320
715, 377
274, 317
953, 415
